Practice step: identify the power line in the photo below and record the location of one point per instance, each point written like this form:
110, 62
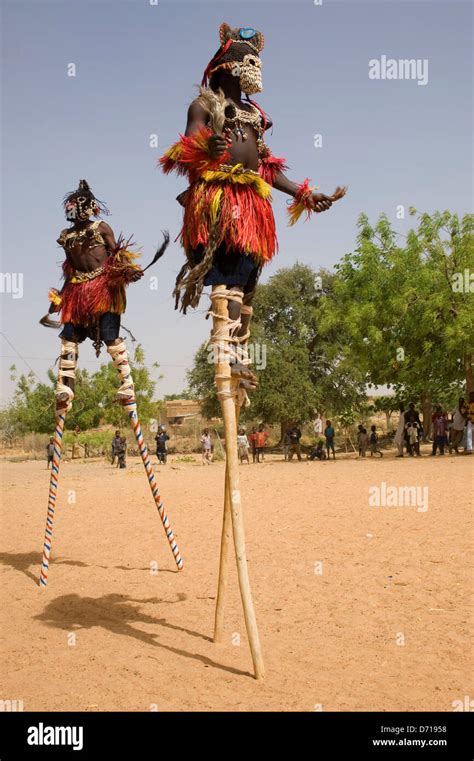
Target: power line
19, 355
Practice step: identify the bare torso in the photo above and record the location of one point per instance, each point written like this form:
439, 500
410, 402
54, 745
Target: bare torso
242, 151
87, 245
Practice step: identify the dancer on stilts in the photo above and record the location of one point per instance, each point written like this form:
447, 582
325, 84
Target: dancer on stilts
228, 235
96, 271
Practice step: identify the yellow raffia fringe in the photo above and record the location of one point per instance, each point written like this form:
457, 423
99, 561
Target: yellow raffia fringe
215, 206
174, 151
54, 297
298, 207
126, 257
239, 176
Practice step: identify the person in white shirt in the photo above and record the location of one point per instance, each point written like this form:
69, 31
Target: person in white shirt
459, 421
243, 446
206, 443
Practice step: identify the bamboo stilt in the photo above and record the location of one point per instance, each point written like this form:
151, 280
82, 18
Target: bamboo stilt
227, 518
223, 564
221, 336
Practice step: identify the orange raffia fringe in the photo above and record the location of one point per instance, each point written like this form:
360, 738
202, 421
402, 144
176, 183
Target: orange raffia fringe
238, 201
190, 155
82, 303
301, 202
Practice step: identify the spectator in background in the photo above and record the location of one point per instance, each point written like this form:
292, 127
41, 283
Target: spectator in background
374, 442
459, 419
318, 452
253, 443
49, 451
329, 436
261, 437
440, 428
161, 439
294, 435
318, 425
206, 444
470, 423
363, 440
243, 446
412, 416
122, 453
413, 439
286, 444
115, 446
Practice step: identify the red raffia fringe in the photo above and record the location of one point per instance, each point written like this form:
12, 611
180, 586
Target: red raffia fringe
270, 166
190, 155
82, 303
246, 221
301, 202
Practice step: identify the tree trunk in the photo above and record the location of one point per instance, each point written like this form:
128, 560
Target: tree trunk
427, 409
469, 371
284, 424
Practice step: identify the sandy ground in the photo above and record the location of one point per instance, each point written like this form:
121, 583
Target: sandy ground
359, 608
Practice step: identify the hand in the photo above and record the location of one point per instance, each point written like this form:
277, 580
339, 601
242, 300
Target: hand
217, 146
320, 202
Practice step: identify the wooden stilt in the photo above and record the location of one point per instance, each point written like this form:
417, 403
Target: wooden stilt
225, 543
226, 392
223, 564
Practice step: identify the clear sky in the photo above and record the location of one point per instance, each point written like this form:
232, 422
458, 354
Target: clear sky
392, 141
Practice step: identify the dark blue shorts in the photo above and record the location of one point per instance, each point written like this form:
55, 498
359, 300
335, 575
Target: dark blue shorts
230, 268
108, 324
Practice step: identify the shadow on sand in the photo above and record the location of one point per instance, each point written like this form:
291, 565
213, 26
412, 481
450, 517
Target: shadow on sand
116, 613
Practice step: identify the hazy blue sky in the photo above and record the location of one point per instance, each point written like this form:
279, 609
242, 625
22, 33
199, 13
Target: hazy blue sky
393, 142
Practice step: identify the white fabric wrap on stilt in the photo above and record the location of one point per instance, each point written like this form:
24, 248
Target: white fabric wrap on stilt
119, 355
67, 369
224, 338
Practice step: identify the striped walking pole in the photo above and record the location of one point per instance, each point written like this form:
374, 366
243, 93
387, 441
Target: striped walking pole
126, 396
53, 485
64, 395
131, 408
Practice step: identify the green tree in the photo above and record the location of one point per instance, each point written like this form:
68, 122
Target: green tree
394, 302
32, 407
304, 371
